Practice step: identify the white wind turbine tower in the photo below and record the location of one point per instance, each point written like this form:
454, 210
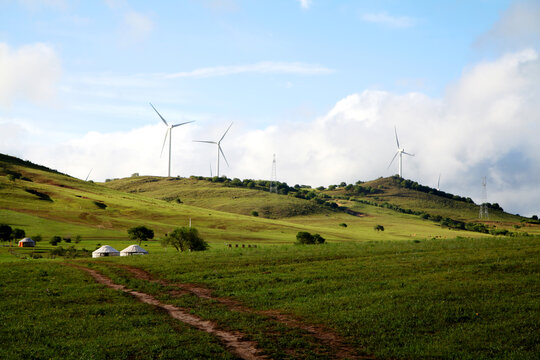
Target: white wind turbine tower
219, 150
400, 151
169, 134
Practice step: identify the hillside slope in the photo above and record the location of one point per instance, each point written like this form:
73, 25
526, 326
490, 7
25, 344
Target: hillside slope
43, 201
216, 196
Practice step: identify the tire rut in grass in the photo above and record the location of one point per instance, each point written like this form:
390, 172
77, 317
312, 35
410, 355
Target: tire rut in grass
233, 340
340, 349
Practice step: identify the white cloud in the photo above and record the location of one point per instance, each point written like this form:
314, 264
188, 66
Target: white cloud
30, 72
389, 20
263, 67
305, 4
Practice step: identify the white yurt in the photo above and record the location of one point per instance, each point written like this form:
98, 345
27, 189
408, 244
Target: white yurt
27, 242
105, 250
133, 250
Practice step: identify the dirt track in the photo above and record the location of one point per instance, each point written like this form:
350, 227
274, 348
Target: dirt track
340, 350
233, 340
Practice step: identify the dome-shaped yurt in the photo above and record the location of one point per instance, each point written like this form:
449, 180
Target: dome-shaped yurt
105, 250
27, 242
133, 250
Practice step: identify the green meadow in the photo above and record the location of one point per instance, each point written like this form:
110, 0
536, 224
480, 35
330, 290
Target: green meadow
415, 290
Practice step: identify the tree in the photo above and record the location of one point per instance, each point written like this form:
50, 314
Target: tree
55, 240
140, 233
534, 217
18, 234
303, 237
5, 232
378, 228
318, 239
255, 213
185, 238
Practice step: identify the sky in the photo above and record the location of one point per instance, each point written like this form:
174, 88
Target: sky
322, 84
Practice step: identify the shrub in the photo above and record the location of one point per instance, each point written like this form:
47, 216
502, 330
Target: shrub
378, 228
255, 213
319, 239
55, 240
185, 238
303, 237
37, 238
100, 204
78, 239
343, 225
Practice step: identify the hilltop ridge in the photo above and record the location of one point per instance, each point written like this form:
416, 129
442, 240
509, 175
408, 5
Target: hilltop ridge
49, 202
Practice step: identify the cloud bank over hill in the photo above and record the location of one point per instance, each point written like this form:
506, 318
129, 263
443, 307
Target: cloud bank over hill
486, 124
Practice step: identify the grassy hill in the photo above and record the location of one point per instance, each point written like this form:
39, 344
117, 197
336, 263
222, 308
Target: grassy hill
215, 196
43, 201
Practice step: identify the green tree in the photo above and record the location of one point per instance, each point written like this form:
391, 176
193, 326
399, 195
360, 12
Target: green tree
319, 239
303, 237
185, 238
5, 232
55, 240
140, 233
18, 234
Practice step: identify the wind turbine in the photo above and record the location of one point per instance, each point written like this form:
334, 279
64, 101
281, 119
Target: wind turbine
87, 176
169, 134
400, 151
219, 150
439, 182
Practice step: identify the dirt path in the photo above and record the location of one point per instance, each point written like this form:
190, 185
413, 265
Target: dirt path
233, 340
340, 350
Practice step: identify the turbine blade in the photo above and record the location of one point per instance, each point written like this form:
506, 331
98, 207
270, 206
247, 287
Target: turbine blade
208, 142
397, 141
408, 153
164, 141
226, 131
396, 154
184, 123
159, 114
223, 154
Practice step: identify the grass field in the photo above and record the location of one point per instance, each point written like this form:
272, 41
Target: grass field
455, 298
414, 290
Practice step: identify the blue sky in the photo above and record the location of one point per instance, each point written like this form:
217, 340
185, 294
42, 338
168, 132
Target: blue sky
319, 83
